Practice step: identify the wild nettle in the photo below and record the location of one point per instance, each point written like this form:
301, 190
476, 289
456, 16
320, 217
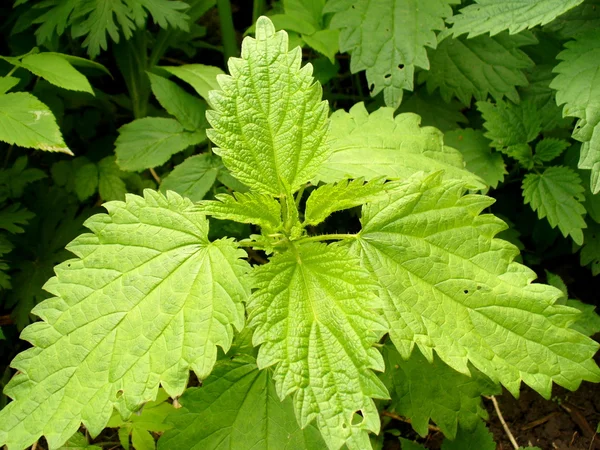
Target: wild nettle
335, 318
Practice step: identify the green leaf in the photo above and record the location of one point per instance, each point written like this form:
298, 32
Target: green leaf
588, 322
557, 194
578, 87
405, 444
194, 177
313, 313
494, 16
27, 122
17, 177
86, 181
13, 216
478, 439
160, 316
390, 55
186, 108
577, 21
202, 78
7, 83
449, 286
142, 440
466, 68
345, 194
477, 154
79, 442
269, 122
237, 407
444, 116
549, 149
309, 10
290, 22
151, 141
56, 70
325, 42
556, 281
110, 180
511, 127
251, 207
379, 144
590, 253
1, 334
448, 397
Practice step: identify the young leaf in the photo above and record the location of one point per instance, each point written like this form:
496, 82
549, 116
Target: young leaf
313, 313
325, 42
56, 70
148, 300
27, 122
379, 144
494, 16
478, 439
548, 149
448, 398
7, 83
388, 39
202, 78
588, 322
237, 407
345, 194
511, 127
449, 286
151, 141
466, 68
269, 121
259, 209
590, 253
194, 177
186, 108
578, 87
557, 193
478, 156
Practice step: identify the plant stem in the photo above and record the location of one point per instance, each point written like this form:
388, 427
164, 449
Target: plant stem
258, 8
327, 237
230, 47
511, 438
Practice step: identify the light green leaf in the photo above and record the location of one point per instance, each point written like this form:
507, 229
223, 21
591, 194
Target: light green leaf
86, 181
388, 39
477, 154
444, 116
148, 300
251, 207
237, 407
345, 194
82, 62
202, 78
290, 22
466, 68
309, 10
557, 194
110, 180
27, 122
142, 440
56, 70
588, 322
79, 442
186, 108
7, 83
194, 177
548, 149
325, 42
449, 286
478, 439
494, 16
269, 122
590, 253
578, 87
511, 127
448, 397
314, 318
379, 144
151, 141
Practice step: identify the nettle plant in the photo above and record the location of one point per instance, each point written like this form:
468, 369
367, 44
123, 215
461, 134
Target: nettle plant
336, 317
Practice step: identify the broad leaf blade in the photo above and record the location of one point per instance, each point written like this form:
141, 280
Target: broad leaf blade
313, 313
194, 177
388, 39
549, 149
135, 309
379, 144
269, 121
478, 439
494, 16
237, 407
56, 70
27, 122
151, 141
557, 194
202, 78
450, 286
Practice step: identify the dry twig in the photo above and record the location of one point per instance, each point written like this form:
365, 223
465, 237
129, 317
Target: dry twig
511, 438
